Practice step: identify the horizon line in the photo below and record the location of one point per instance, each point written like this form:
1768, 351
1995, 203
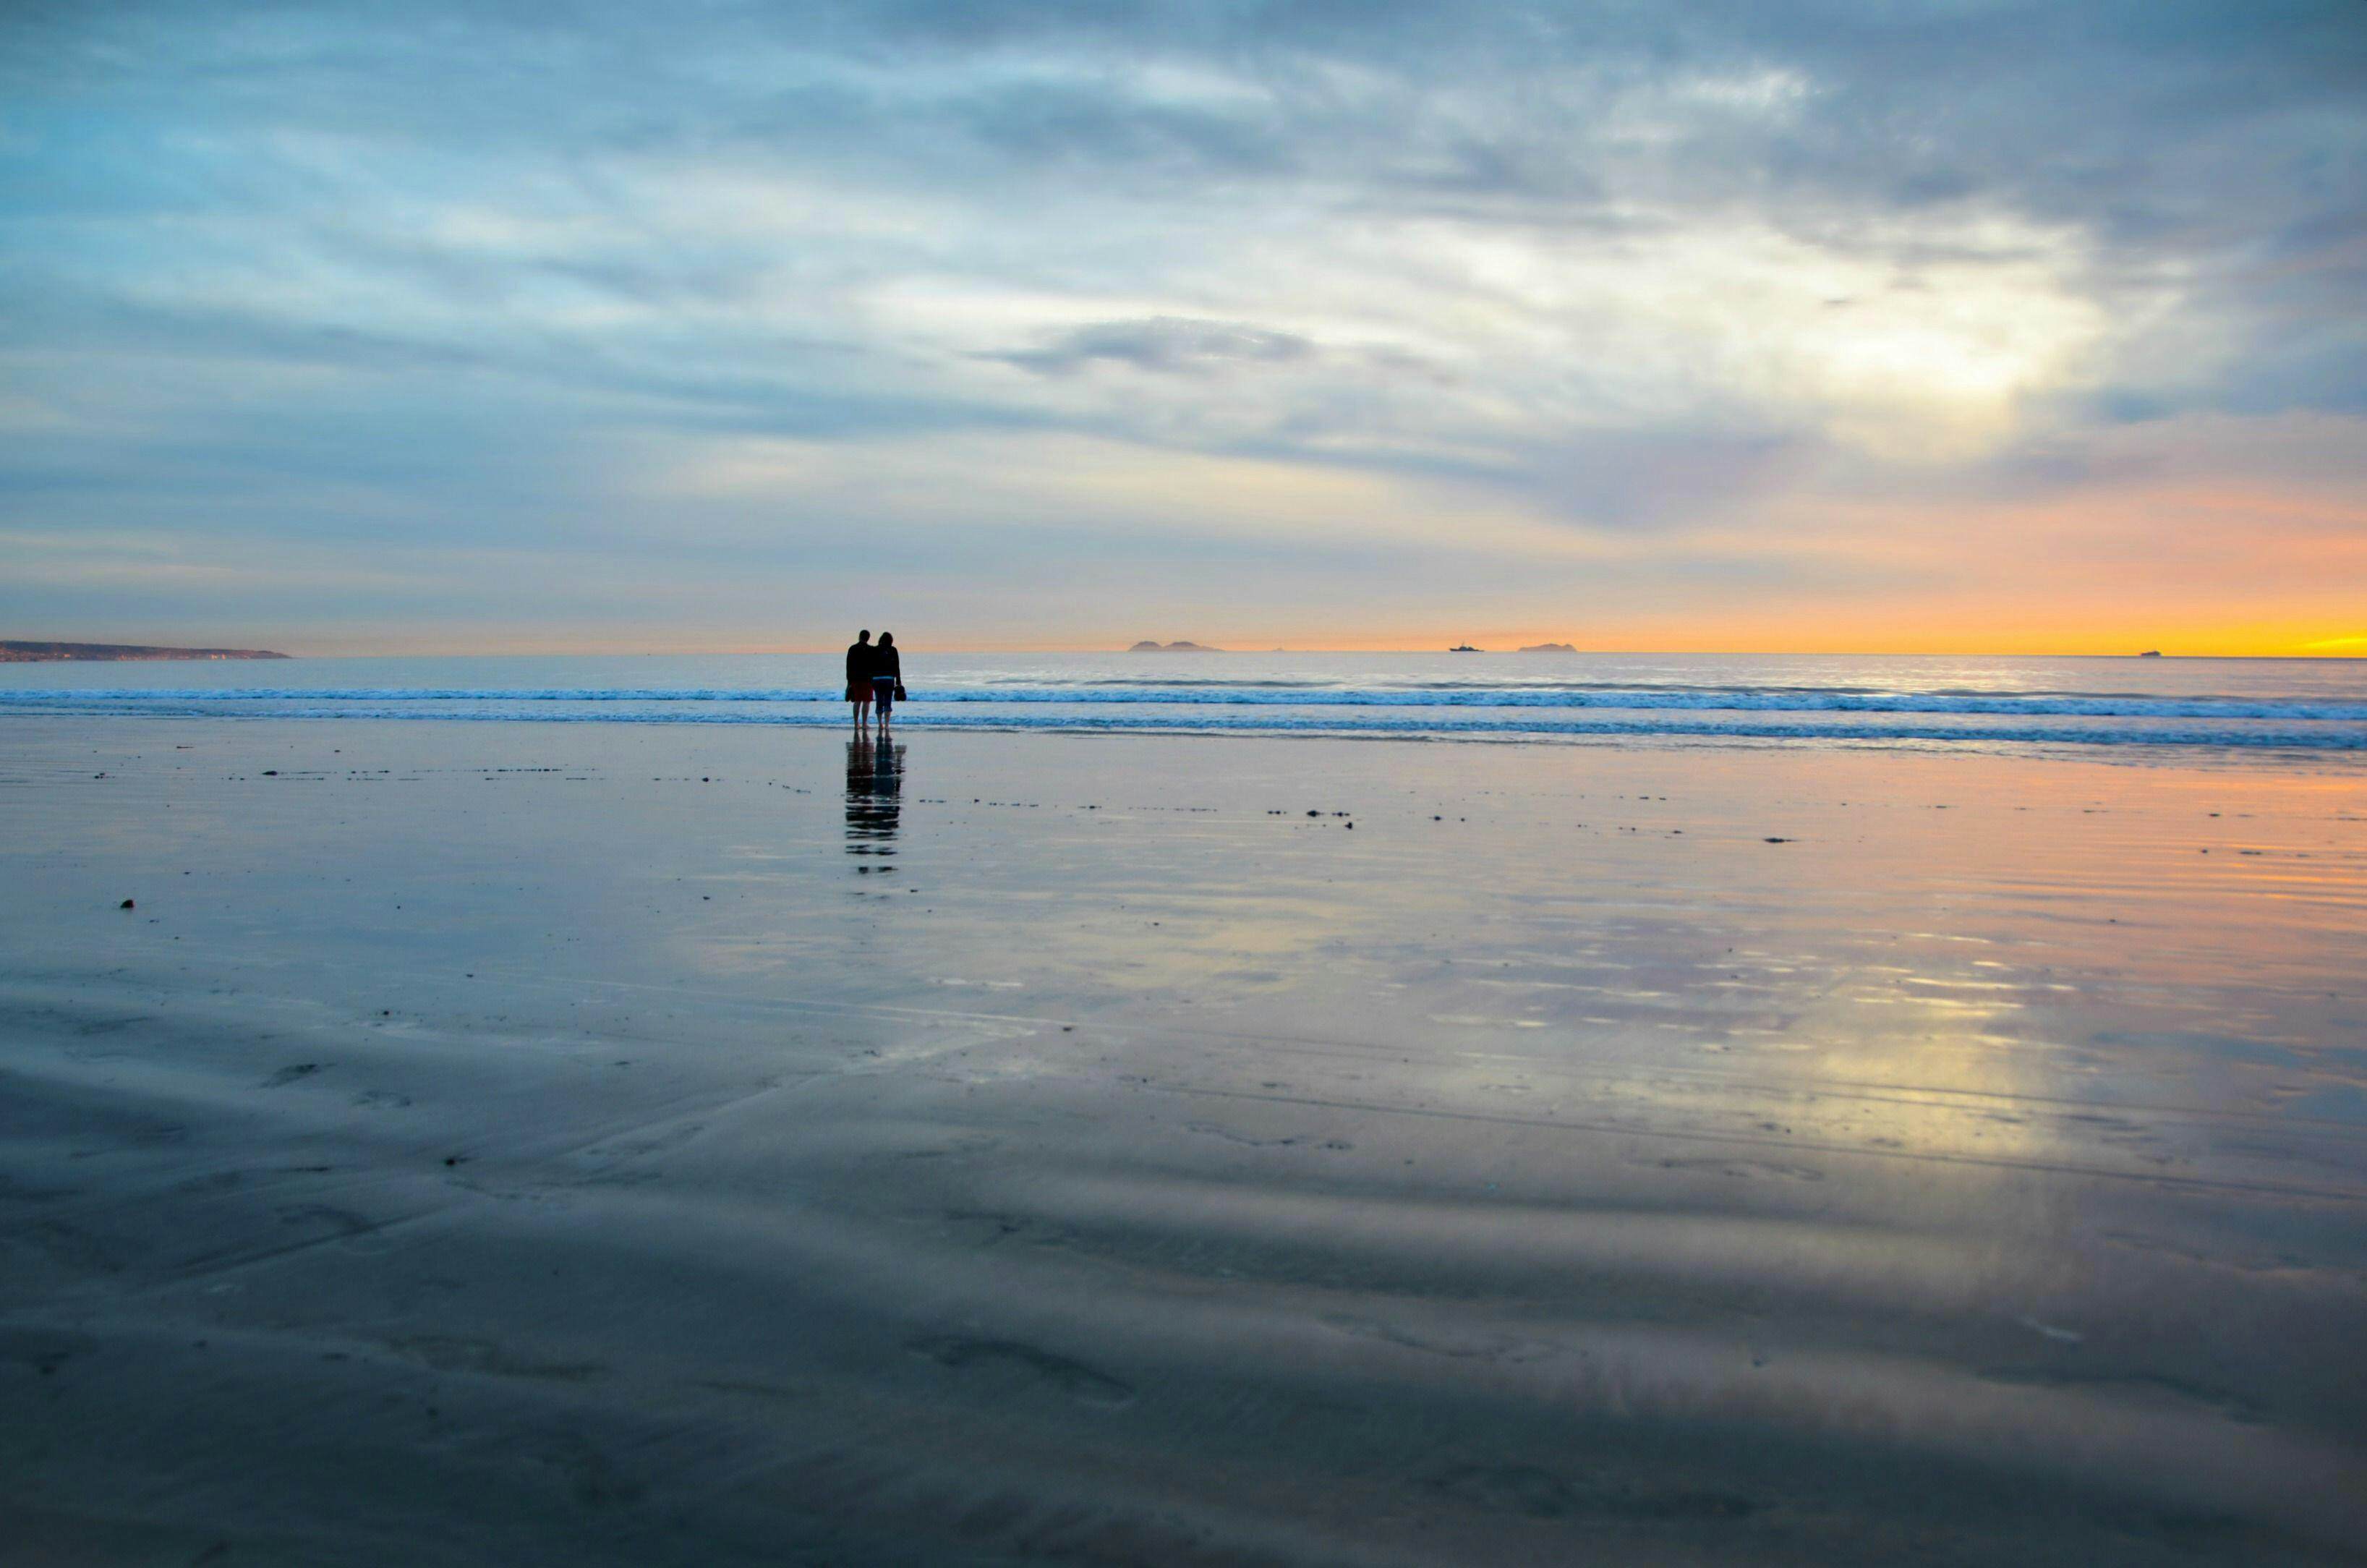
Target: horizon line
781, 651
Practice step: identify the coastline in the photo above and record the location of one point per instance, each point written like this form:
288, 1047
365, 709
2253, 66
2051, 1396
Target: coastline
704, 1144
32, 652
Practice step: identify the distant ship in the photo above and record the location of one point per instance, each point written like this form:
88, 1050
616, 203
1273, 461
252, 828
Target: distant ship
1463, 648
2150, 654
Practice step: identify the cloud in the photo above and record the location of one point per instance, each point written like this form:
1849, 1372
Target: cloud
1648, 280
1166, 344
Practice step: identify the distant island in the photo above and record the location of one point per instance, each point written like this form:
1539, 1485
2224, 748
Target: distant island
1549, 648
46, 652
1173, 648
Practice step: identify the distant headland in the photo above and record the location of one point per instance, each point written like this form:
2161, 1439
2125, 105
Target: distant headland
1549, 648
43, 652
1173, 648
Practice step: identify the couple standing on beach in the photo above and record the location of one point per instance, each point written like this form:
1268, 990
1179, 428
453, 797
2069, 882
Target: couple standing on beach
874, 676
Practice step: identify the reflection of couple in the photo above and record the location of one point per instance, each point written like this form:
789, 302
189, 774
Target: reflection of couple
874, 795
874, 676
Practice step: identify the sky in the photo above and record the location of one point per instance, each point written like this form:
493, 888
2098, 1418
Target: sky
1838, 325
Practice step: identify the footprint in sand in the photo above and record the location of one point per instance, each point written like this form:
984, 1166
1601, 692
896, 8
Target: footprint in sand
608, 1164
2234, 1406
1542, 1495
1212, 1129
332, 1222
1073, 1378
43, 1350
1464, 1346
73, 1248
450, 1353
1745, 1169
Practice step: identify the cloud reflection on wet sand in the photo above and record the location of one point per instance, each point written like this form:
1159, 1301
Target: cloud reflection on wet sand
1547, 1165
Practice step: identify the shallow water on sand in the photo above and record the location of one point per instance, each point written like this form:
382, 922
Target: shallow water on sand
621, 1145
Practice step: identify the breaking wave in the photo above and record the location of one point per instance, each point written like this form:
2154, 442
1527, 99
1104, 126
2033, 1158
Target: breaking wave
1750, 699
1750, 713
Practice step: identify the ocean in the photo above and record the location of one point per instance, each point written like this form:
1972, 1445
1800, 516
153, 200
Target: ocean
2186, 708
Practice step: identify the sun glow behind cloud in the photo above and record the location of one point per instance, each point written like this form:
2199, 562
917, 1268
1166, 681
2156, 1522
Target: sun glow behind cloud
1929, 329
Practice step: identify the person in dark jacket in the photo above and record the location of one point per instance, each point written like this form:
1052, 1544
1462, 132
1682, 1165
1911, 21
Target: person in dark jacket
887, 677
858, 675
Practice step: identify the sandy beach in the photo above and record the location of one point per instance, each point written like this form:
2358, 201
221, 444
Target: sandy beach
501, 1144
1627, 826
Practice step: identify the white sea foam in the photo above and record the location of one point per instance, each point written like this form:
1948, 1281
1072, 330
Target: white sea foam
1802, 723
2246, 707
1735, 699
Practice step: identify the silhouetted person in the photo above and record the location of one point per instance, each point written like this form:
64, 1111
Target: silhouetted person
858, 674
874, 778
887, 677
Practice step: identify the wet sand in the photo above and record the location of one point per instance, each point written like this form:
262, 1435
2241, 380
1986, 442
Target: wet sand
505, 1145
